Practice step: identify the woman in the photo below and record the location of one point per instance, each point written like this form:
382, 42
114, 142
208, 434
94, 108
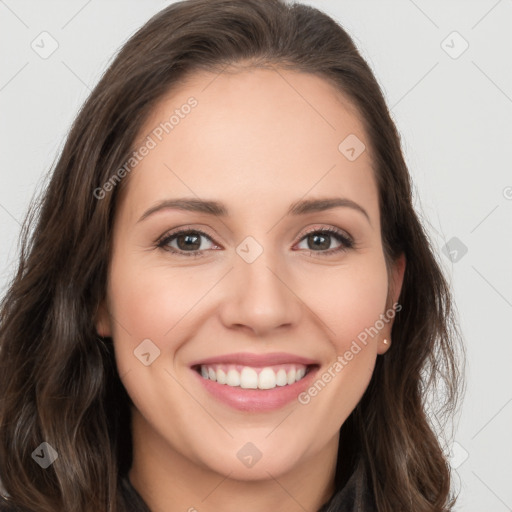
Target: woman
284, 363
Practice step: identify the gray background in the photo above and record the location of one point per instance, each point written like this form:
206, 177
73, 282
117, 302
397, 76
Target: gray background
455, 116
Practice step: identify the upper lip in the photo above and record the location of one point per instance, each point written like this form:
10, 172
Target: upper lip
248, 359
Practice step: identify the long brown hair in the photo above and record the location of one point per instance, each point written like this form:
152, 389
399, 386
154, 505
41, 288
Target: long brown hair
58, 380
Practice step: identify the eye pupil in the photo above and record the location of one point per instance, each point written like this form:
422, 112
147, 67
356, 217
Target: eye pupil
316, 241
191, 241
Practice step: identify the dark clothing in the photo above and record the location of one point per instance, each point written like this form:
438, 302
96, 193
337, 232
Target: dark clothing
354, 497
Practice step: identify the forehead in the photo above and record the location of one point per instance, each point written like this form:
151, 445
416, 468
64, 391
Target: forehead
261, 134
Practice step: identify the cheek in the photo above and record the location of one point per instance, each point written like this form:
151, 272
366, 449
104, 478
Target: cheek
349, 300
351, 303
151, 302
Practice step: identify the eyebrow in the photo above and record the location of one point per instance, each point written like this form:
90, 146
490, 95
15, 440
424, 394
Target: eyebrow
301, 207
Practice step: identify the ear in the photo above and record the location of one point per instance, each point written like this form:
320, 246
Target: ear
102, 321
396, 279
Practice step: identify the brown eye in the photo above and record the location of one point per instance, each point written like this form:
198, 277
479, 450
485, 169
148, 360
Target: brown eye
186, 241
321, 241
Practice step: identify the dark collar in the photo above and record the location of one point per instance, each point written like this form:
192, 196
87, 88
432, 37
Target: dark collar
354, 497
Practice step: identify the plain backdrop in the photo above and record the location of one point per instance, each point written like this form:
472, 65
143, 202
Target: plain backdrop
445, 69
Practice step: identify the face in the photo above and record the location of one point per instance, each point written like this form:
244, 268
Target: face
243, 309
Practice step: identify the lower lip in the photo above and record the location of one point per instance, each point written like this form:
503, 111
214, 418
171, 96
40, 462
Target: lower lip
257, 400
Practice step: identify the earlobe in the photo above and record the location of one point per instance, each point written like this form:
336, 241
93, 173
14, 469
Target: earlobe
384, 345
102, 321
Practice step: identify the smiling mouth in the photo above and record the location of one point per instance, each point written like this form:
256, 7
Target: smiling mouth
249, 377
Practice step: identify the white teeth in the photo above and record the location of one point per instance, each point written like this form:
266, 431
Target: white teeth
267, 379
281, 378
300, 373
221, 376
248, 378
233, 378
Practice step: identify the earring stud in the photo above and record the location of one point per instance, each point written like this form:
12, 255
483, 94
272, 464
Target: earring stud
386, 342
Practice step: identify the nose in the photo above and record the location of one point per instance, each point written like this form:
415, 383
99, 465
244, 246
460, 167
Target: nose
259, 296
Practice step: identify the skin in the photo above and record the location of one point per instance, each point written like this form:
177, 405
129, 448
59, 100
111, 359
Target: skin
257, 144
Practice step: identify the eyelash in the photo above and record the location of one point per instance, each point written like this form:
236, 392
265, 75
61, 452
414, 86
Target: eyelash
346, 242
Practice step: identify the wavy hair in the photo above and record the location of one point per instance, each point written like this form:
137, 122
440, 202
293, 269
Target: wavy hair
58, 379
